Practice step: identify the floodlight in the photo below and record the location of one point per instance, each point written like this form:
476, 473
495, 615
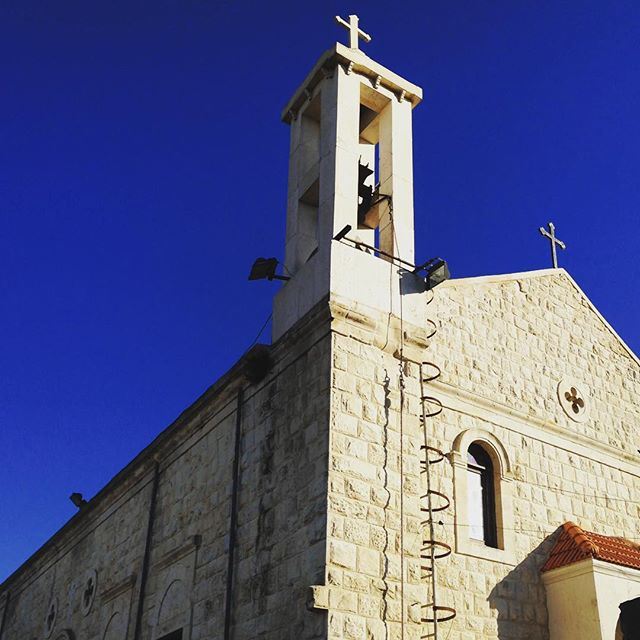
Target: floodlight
343, 232
265, 269
437, 273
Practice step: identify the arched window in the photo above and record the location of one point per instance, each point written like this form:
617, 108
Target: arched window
481, 496
482, 484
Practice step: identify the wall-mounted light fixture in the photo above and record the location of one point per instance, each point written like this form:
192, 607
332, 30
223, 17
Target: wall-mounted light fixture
265, 269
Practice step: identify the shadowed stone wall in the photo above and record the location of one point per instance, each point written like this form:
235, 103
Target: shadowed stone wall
280, 542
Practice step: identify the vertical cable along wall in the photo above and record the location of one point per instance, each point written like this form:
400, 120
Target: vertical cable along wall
431, 502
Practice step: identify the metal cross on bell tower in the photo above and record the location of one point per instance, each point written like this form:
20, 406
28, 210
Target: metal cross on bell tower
551, 235
355, 33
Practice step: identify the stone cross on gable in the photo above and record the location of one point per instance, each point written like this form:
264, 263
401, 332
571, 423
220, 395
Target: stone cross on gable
354, 31
551, 234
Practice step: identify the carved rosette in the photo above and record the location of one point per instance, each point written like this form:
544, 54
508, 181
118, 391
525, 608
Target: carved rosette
574, 399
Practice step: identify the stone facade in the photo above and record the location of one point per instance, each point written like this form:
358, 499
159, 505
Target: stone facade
503, 345
329, 521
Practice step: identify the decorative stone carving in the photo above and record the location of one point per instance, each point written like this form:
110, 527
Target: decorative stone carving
88, 592
174, 603
50, 617
115, 627
573, 399
115, 608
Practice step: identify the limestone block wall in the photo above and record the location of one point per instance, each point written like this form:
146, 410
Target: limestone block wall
330, 525
282, 515
280, 542
553, 481
373, 501
510, 339
503, 346
110, 542
373, 507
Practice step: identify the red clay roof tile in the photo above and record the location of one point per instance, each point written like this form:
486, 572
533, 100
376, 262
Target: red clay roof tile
575, 544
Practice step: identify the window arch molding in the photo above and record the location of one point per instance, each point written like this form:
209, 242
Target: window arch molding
492, 445
502, 492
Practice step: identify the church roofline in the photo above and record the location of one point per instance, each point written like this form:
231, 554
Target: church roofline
222, 391
543, 273
132, 473
505, 277
360, 63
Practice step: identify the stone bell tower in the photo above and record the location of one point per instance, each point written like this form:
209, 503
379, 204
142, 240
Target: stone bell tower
350, 164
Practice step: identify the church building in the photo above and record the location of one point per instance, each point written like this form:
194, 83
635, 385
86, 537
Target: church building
413, 456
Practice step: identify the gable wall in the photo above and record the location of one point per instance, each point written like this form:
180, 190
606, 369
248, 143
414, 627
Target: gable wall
502, 348
512, 341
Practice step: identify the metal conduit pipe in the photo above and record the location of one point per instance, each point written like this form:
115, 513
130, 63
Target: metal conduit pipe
147, 551
233, 518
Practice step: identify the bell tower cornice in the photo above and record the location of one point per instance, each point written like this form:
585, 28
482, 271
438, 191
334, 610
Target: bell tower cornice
356, 61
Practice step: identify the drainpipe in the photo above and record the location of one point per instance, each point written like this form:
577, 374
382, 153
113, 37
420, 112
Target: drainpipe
147, 551
233, 518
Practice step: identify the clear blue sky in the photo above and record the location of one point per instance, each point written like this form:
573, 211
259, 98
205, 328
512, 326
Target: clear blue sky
143, 167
